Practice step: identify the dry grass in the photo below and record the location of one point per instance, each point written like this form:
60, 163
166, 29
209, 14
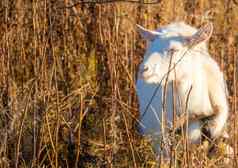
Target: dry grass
68, 80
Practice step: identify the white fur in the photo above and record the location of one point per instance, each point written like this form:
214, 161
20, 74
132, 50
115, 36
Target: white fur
194, 69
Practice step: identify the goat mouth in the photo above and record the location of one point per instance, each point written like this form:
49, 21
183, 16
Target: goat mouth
144, 76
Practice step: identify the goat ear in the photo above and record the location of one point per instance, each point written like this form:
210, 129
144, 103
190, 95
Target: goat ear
202, 35
147, 34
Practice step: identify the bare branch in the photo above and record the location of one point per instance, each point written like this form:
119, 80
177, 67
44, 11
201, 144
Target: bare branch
113, 1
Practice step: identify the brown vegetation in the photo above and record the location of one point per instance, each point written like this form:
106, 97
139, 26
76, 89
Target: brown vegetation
68, 80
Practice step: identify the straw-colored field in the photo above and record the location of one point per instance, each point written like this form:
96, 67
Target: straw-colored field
68, 72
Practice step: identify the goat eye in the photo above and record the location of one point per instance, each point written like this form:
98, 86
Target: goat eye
172, 50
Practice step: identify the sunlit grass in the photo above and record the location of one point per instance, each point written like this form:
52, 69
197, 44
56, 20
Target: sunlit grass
67, 82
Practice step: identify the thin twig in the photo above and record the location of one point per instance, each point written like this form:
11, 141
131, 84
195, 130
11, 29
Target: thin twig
22, 124
112, 1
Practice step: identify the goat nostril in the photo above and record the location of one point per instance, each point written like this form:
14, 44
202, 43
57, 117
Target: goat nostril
145, 69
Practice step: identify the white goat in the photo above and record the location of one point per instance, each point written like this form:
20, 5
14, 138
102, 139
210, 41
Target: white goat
179, 53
